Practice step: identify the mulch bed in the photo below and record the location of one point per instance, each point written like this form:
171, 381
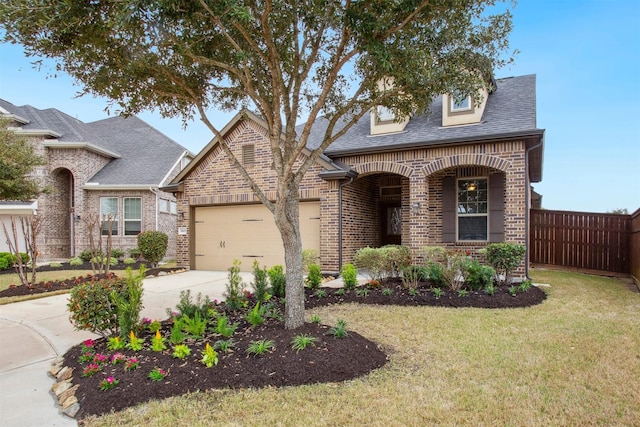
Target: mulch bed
329, 360
52, 286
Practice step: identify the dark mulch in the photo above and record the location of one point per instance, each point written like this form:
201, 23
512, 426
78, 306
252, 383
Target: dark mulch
51, 286
425, 295
329, 360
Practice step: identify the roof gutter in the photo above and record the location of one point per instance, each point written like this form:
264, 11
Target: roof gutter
527, 194
442, 142
86, 145
115, 187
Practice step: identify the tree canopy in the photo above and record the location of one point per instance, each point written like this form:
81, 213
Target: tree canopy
16, 163
289, 60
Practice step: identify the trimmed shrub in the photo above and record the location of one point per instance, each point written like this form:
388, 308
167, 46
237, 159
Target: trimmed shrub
396, 259
129, 261
4, 263
383, 262
92, 308
371, 260
504, 258
478, 276
260, 283
278, 281
153, 246
315, 276
349, 275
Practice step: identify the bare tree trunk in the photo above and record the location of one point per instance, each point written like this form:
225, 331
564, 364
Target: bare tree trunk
14, 248
287, 219
31, 227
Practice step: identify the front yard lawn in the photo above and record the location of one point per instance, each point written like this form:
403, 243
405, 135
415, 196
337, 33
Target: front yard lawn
572, 360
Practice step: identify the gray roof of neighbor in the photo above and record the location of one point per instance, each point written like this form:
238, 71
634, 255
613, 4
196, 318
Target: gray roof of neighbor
145, 154
510, 110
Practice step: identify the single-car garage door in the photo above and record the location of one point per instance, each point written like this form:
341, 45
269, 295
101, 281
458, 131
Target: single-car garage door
247, 233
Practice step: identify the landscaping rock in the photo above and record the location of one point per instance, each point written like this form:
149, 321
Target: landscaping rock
72, 410
64, 374
67, 393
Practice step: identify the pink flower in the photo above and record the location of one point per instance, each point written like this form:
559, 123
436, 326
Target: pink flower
89, 343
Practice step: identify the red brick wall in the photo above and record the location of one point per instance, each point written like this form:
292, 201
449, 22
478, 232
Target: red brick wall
419, 172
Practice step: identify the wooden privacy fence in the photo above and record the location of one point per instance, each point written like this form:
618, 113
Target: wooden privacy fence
582, 240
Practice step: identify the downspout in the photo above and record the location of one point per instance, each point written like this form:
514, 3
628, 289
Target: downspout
342, 184
528, 206
156, 209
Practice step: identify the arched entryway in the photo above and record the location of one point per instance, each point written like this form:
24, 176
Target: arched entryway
60, 215
375, 212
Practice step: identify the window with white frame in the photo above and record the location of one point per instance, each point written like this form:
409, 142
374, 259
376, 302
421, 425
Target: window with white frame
173, 208
132, 216
163, 205
460, 103
384, 114
109, 215
473, 209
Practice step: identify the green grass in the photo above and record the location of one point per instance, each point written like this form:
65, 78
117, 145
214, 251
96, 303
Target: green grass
573, 360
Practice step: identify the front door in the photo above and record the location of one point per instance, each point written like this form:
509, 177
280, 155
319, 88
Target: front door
391, 223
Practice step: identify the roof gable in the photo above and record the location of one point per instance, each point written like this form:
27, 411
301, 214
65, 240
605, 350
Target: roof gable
141, 155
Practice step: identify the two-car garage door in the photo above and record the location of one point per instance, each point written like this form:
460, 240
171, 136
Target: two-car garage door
247, 233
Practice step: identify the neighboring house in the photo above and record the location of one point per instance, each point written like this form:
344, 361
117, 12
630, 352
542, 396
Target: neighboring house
109, 167
460, 177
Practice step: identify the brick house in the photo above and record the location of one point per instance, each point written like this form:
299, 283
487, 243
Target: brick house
459, 177
113, 166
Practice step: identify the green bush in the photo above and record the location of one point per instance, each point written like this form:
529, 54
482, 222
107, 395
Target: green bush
13, 259
129, 302
129, 261
383, 262
86, 255
309, 256
315, 276
187, 307
260, 283
103, 260
233, 294
278, 281
396, 259
478, 276
75, 261
117, 253
153, 246
371, 260
504, 258
135, 253
55, 265
92, 308
435, 273
4, 263
349, 275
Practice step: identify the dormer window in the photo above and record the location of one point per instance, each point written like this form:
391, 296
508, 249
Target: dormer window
460, 104
384, 114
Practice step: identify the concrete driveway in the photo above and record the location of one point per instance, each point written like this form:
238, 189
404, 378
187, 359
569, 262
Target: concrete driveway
33, 333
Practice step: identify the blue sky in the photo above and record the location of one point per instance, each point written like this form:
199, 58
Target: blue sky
586, 55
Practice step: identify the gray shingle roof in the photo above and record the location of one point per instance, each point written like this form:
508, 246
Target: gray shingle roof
146, 155
510, 110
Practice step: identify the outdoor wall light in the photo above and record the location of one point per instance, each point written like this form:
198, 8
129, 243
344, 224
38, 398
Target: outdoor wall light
180, 215
416, 208
471, 186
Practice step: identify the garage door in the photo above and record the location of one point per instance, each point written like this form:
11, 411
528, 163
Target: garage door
247, 233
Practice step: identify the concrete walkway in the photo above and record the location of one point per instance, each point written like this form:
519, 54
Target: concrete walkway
33, 333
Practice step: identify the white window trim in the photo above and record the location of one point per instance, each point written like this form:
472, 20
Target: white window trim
455, 109
115, 219
384, 114
486, 214
125, 220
